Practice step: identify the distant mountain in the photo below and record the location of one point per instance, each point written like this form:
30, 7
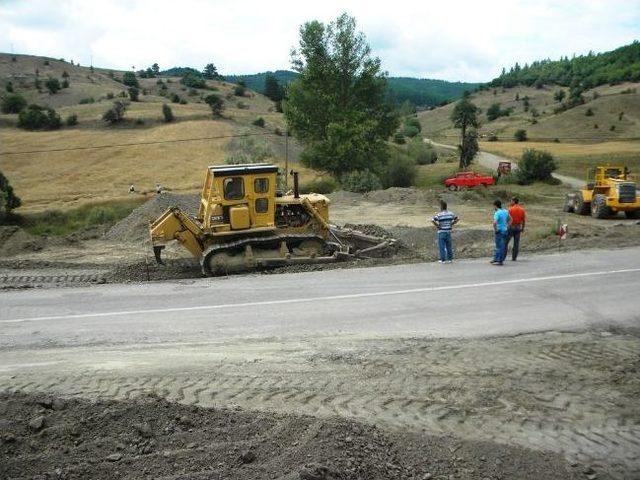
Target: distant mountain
584, 71
419, 91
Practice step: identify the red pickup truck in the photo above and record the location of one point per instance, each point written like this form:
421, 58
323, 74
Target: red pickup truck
468, 179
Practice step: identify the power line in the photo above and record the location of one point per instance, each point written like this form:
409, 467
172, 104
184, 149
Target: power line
537, 139
157, 142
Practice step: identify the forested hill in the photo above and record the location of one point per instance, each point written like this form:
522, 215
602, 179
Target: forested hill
419, 91
586, 71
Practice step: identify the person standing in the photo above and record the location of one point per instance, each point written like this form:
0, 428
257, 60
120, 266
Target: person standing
444, 221
518, 219
501, 222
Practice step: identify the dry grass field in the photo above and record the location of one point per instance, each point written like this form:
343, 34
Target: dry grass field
574, 158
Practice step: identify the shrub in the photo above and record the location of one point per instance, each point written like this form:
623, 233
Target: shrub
360, 181
9, 87
492, 138
241, 105
258, 122
589, 112
72, 120
193, 92
399, 138
139, 121
8, 199
116, 113
508, 179
13, 103
193, 79
130, 80
53, 85
410, 131
413, 122
134, 93
400, 171
65, 83
421, 153
84, 101
248, 150
35, 117
322, 185
520, 135
277, 131
535, 165
175, 98
110, 96
216, 103
612, 128
168, 114
620, 116
240, 89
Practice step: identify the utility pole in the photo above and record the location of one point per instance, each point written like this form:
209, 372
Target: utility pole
286, 158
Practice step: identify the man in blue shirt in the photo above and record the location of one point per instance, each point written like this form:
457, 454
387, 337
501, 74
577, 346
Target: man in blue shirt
444, 221
501, 222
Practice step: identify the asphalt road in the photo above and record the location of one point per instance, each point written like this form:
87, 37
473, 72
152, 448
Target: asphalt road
568, 291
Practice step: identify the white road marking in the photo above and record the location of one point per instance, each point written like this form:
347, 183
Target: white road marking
323, 299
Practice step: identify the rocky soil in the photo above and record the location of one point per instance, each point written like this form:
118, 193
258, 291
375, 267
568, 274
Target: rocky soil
51, 438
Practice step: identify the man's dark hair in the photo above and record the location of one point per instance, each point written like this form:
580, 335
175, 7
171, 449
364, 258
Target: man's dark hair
498, 203
515, 200
443, 205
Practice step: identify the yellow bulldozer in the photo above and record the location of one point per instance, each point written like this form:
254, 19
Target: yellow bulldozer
609, 190
245, 223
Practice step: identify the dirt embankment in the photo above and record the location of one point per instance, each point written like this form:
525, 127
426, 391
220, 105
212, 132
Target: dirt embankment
45, 437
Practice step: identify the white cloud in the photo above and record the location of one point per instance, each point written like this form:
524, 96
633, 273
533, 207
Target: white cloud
454, 40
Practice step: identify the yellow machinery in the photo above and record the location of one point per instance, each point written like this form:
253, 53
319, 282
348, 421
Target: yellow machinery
243, 223
609, 190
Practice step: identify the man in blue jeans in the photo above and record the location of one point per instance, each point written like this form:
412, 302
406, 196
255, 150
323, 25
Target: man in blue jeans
444, 221
501, 222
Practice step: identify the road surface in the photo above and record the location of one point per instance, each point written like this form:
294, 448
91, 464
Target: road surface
454, 349
491, 161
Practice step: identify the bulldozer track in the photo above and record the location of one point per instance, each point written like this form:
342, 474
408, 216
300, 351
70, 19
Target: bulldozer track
22, 280
514, 391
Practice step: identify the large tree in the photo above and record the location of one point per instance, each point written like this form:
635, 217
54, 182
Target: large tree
8, 199
211, 72
337, 105
272, 88
465, 115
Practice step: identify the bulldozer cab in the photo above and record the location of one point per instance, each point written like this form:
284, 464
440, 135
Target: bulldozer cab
239, 197
599, 176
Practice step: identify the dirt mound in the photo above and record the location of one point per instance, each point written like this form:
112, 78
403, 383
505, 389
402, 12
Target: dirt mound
45, 437
135, 227
14, 240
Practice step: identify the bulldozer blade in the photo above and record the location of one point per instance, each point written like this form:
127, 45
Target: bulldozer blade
157, 252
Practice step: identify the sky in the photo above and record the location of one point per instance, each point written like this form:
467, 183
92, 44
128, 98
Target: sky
448, 39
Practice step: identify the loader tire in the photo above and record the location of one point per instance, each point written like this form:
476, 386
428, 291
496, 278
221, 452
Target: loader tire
580, 206
632, 214
599, 207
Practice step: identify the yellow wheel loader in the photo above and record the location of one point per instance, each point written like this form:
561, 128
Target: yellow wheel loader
244, 223
609, 190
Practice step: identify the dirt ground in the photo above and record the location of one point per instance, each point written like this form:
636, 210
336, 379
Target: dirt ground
547, 405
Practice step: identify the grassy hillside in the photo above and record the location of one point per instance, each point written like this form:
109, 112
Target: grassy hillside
419, 91
609, 133
79, 174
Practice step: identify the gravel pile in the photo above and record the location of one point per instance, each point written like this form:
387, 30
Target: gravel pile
135, 227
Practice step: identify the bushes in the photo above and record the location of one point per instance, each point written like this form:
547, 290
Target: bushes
8, 199
13, 103
116, 113
535, 165
360, 181
398, 138
258, 122
494, 111
84, 101
247, 150
520, 135
134, 93
589, 112
421, 153
53, 85
72, 120
400, 171
36, 117
130, 80
193, 79
167, 113
216, 103
175, 98
240, 89
322, 185
412, 127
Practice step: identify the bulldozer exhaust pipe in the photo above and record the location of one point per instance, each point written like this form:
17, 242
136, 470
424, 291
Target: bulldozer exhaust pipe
157, 252
296, 187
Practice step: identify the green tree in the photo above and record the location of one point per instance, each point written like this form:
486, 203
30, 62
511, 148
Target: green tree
559, 95
167, 113
13, 103
468, 148
130, 80
116, 113
53, 85
493, 111
535, 165
337, 106
155, 68
215, 103
193, 79
520, 135
272, 88
134, 93
8, 199
240, 89
464, 116
35, 117
210, 72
